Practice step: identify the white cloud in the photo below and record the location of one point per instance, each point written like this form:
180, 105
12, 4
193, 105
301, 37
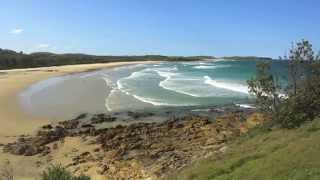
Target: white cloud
16, 31
43, 46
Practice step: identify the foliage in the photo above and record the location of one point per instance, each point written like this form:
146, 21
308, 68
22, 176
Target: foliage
302, 102
59, 173
304, 105
265, 88
11, 59
300, 57
255, 58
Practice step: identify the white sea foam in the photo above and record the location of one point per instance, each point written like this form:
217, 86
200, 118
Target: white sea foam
107, 99
164, 84
132, 66
90, 74
225, 85
121, 87
171, 78
196, 63
181, 83
109, 83
184, 84
247, 106
205, 67
219, 60
211, 66
157, 102
135, 75
163, 72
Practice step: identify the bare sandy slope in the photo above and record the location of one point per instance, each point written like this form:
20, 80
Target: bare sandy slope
13, 122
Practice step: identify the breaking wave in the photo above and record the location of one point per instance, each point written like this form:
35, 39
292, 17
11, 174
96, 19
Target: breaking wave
226, 85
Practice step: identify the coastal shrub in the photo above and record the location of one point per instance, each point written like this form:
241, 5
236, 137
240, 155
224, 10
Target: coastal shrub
302, 100
264, 86
58, 172
302, 106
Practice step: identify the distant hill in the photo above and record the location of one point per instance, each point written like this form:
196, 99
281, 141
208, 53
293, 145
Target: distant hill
10, 59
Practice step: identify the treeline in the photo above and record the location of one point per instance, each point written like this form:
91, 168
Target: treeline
247, 58
10, 59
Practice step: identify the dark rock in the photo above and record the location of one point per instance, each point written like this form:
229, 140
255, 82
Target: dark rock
82, 158
147, 149
137, 115
87, 126
36, 145
49, 126
70, 124
101, 118
81, 116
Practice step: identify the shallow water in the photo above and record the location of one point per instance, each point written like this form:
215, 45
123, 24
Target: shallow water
144, 87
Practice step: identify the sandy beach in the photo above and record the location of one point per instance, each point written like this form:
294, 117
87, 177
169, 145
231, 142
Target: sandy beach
13, 120
83, 145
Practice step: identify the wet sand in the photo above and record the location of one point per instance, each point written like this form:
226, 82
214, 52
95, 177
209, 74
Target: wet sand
13, 120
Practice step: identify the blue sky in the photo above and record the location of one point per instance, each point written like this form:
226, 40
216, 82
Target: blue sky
168, 27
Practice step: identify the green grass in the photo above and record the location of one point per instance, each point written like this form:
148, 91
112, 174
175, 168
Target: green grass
262, 154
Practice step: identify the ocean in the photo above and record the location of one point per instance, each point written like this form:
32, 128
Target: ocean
146, 87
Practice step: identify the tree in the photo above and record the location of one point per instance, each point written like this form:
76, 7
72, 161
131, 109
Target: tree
301, 55
265, 87
302, 102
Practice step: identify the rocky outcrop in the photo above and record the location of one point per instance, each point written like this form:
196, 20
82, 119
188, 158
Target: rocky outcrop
101, 118
141, 150
30, 146
159, 148
137, 115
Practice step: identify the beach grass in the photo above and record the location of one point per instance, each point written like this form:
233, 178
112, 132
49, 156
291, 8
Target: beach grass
264, 154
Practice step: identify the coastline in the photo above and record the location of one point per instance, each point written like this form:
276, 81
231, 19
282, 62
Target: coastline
14, 121
20, 129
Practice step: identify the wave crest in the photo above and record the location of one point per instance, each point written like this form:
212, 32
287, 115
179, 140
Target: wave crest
229, 86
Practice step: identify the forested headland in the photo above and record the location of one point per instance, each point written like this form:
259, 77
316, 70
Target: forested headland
11, 59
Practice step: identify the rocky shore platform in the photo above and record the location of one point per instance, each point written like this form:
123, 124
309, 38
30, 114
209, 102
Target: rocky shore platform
135, 151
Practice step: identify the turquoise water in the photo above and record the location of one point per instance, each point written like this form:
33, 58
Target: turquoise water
146, 86
193, 83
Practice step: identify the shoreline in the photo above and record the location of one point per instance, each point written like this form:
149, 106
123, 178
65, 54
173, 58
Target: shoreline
20, 129
16, 122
